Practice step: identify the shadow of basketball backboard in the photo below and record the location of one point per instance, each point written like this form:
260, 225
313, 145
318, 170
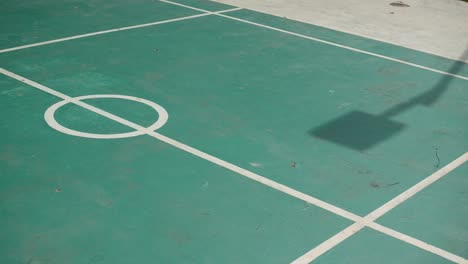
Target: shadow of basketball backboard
360, 130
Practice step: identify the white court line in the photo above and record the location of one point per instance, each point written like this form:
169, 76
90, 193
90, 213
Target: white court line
115, 30
196, 152
371, 217
328, 244
418, 187
418, 243
354, 228
326, 42
360, 222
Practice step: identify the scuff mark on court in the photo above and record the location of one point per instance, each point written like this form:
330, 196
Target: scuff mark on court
399, 4
377, 185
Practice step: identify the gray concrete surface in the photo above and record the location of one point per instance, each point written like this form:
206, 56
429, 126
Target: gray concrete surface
438, 27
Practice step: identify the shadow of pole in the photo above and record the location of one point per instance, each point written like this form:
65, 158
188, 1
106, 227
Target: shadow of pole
359, 130
430, 97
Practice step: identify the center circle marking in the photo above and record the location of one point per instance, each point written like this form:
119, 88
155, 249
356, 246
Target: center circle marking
50, 118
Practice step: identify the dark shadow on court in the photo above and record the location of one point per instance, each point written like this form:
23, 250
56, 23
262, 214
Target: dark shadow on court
360, 130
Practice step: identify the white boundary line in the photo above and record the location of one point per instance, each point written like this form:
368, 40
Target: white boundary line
206, 13
418, 243
325, 42
350, 32
370, 218
360, 222
196, 152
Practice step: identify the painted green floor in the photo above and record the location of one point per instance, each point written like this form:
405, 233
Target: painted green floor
345, 127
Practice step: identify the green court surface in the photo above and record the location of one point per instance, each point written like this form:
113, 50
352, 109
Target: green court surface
284, 142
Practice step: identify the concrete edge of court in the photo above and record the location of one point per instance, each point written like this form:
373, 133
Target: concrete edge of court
431, 26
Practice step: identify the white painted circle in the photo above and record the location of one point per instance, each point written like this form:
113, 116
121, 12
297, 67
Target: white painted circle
50, 119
